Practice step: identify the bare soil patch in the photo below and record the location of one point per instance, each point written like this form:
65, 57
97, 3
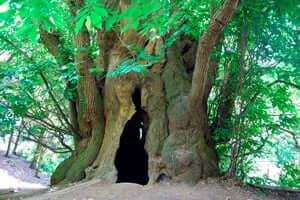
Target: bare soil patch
16, 176
210, 189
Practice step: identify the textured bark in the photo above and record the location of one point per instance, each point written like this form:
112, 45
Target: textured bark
189, 156
207, 42
9, 144
175, 102
89, 113
231, 95
186, 155
55, 47
16, 143
40, 160
37, 150
119, 107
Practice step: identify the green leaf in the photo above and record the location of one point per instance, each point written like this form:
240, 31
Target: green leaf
80, 23
96, 20
96, 71
100, 11
111, 21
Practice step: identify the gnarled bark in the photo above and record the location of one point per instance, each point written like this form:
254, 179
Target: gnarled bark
177, 131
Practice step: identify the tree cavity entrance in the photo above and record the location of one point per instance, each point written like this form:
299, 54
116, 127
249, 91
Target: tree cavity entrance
132, 160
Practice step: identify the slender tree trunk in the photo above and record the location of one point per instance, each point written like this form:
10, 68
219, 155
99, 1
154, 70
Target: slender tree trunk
231, 172
40, 160
41, 153
9, 144
33, 163
17, 141
231, 86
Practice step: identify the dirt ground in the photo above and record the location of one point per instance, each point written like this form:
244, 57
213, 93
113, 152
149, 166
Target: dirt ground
205, 190
16, 175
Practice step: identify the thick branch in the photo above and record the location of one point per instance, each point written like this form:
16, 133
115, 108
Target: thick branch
207, 42
55, 47
46, 124
57, 104
51, 42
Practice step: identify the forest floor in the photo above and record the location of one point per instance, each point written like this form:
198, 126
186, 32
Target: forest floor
211, 189
16, 176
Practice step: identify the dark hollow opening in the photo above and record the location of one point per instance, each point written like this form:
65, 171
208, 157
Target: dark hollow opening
132, 160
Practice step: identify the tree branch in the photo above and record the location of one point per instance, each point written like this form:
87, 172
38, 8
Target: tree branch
57, 105
293, 134
288, 83
206, 44
45, 145
51, 42
253, 99
46, 124
39, 121
264, 142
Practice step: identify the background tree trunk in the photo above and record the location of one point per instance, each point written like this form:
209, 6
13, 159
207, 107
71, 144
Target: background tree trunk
33, 163
20, 129
9, 144
16, 143
40, 160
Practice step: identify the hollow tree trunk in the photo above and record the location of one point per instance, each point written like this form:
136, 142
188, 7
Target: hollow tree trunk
176, 130
176, 148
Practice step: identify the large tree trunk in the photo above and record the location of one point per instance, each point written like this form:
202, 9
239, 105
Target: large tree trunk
89, 111
167, 107
175, 147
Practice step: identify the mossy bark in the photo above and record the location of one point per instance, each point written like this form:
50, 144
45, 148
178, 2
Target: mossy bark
88, 111
174, 96
176, 146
